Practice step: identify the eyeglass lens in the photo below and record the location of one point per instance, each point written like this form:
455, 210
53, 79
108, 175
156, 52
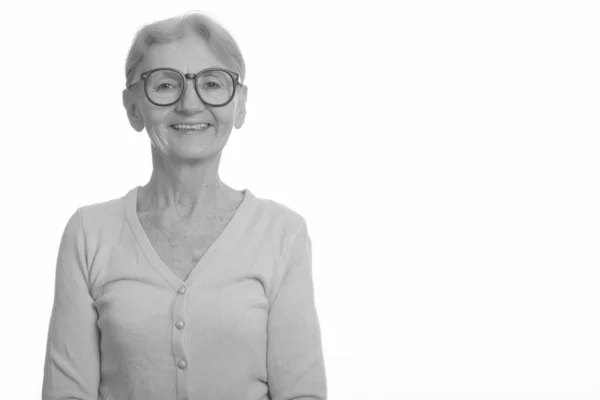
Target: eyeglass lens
165, 86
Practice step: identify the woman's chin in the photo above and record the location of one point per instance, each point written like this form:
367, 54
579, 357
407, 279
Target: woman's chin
190, 152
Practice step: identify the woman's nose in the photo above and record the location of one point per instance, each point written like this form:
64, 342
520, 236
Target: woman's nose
190, 102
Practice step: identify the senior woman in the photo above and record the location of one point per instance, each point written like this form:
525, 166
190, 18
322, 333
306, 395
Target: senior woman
184, 289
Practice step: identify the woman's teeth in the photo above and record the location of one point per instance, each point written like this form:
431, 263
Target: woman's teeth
183, 127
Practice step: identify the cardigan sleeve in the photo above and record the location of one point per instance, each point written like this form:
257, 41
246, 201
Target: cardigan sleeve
295, 363
72, 362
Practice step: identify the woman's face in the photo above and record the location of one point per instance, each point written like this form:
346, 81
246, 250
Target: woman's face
189, 55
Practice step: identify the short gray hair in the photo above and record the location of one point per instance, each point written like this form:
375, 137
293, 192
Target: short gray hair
217, 38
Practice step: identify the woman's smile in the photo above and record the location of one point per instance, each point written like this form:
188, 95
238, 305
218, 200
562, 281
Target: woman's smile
189, 129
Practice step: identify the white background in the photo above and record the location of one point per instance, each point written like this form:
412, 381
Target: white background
445, 155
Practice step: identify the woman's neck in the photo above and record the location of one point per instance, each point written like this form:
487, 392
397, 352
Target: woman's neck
186, 194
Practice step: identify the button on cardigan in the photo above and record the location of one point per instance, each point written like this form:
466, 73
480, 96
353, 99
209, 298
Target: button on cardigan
242, 326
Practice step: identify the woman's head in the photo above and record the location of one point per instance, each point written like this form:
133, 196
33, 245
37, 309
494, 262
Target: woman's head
189, 43
218, 40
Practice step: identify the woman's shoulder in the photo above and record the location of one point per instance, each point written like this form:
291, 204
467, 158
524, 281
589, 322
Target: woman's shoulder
97, 215
280, 213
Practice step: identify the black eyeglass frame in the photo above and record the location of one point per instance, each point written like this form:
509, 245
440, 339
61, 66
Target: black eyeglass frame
235, 77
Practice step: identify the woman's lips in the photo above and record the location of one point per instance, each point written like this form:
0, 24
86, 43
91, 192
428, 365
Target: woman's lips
183, 127
191, 129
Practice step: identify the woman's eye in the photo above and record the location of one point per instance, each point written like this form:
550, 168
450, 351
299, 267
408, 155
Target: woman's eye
165, 86
211, 85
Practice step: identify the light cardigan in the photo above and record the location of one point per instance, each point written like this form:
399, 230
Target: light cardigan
242, 326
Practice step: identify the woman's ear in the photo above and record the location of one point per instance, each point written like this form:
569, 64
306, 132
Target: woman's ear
240, 114
135, 119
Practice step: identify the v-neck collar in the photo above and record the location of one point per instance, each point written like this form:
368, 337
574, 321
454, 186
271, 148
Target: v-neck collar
232, 231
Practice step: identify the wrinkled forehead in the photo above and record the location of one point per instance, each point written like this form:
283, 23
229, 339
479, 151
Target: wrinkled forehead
191, 54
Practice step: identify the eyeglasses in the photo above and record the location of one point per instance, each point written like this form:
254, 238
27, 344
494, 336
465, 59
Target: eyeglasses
165, 86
